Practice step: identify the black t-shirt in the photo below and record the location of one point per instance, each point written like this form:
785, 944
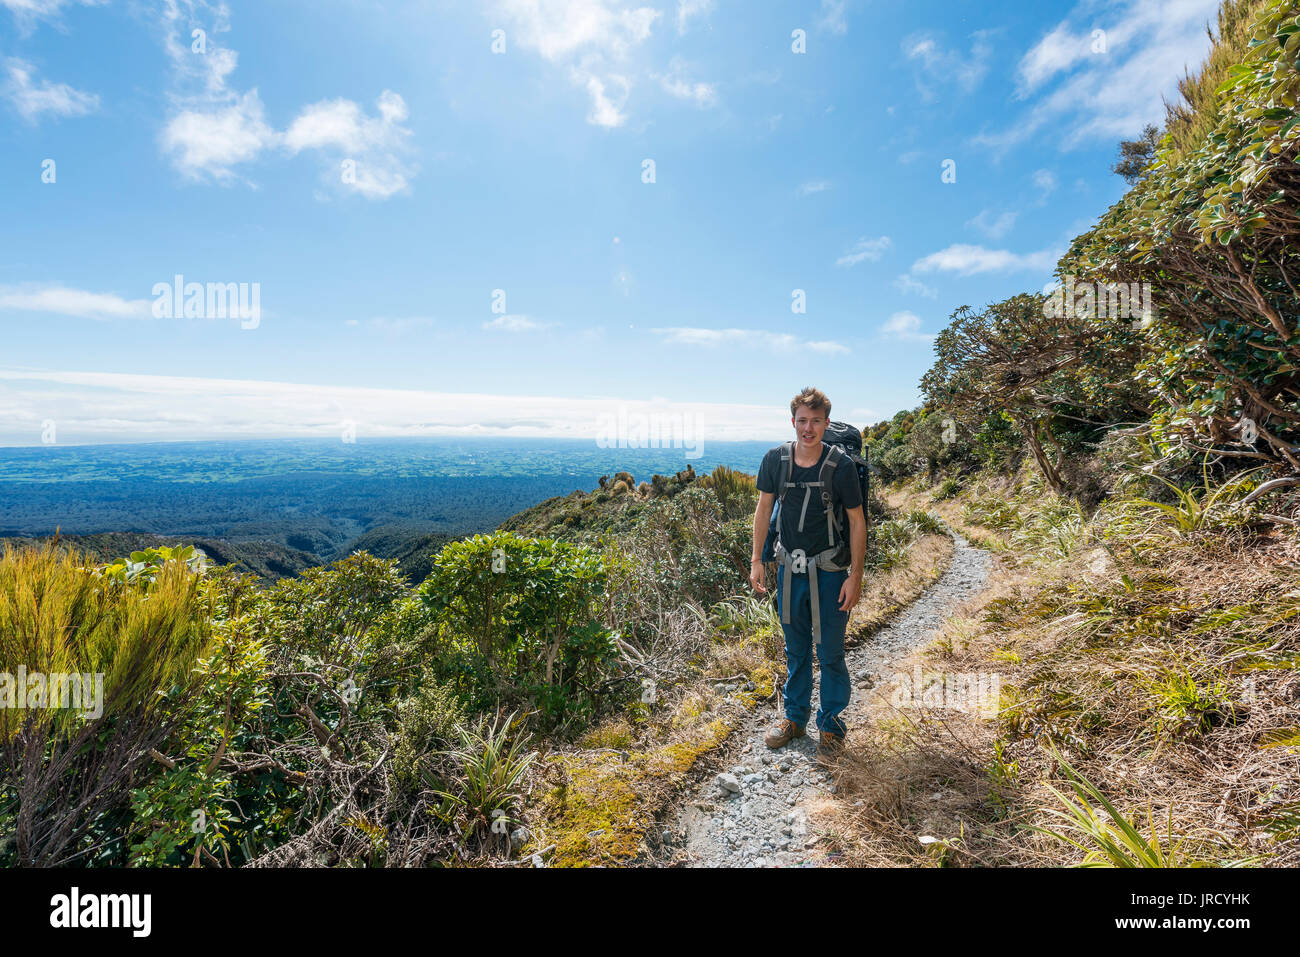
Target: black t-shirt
844, 487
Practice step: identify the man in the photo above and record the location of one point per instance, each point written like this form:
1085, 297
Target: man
820, 579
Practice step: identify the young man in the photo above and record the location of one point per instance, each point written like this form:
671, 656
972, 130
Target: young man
819, 579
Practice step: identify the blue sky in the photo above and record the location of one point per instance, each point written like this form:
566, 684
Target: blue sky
380, 173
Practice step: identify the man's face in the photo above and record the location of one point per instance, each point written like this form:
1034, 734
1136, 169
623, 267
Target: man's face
809, 425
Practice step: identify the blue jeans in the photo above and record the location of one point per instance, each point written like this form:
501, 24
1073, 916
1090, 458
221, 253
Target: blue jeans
835, 685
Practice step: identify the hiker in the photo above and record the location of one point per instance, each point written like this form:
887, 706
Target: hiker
817, 488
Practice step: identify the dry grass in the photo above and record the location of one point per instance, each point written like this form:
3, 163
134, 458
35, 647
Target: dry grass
1171, 686
916, 496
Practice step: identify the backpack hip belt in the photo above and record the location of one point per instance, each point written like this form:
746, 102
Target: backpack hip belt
824, 560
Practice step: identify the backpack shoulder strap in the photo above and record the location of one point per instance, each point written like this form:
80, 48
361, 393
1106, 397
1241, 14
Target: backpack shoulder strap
833, 523
787, 456
832, 459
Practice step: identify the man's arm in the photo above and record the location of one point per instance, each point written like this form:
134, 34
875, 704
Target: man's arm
852, 589
762, 518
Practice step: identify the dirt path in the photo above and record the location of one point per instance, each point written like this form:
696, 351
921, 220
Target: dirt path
755, 813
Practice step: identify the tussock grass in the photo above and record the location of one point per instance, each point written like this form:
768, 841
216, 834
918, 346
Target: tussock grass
63, 766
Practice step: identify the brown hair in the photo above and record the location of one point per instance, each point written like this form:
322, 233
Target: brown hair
814, 399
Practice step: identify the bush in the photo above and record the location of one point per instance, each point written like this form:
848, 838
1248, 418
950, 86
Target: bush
485, 789
293, 714
691, 551
948, 488
736, 492
426, 723
139, 626
520, 620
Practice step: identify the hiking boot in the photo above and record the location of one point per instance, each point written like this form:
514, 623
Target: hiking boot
782, 733
829, 746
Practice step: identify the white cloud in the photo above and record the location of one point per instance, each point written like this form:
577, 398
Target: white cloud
906, 326
27, 12
557, 29
101, 407
1057, 52
676, 83
31, 97
373, 145
777, 342
1088, 98
814, 186
942, 66
213, 128
63, 301
585, 36
1045, 182
832, 16
907, 285
605, 111
687, 10
515, 323
991, 226
341, 124
209, 142
921, 48
966, 260
865, 249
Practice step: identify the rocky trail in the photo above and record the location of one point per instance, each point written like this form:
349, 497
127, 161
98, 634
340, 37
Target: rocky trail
756, 812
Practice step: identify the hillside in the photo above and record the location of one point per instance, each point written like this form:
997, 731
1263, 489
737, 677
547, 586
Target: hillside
612, 509
413, 552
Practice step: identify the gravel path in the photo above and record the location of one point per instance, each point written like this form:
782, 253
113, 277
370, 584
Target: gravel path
755, 813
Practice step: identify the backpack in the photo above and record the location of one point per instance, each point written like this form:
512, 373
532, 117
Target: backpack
846, 447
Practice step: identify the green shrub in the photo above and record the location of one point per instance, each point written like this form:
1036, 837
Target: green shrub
426, 723
520, 620
948, 488
297, 693
1213, 228
483, 791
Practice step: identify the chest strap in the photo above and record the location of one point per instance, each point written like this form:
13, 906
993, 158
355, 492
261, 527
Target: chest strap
829, 462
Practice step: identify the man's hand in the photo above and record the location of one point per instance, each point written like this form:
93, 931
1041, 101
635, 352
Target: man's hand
756, 576
850, 593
